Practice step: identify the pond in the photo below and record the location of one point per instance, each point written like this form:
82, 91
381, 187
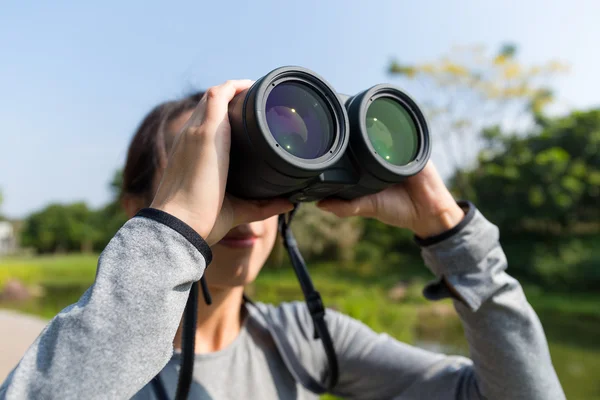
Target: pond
573, 340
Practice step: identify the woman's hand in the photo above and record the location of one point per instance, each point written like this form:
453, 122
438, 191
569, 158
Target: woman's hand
193, 185
422, 204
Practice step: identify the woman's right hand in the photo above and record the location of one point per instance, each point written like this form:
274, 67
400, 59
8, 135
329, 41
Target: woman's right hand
193, 184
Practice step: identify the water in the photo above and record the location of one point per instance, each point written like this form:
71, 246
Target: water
573, 340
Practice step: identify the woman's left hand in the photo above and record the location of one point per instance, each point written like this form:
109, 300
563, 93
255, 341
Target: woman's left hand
422, 204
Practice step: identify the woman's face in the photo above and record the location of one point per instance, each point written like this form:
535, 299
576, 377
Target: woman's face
239, 257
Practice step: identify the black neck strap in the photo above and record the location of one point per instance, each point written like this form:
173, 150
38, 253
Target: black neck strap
312, 296
188, 347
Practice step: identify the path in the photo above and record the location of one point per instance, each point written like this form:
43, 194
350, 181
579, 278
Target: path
17, 332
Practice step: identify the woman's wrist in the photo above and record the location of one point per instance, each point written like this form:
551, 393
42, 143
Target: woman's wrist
445, 219
194, 221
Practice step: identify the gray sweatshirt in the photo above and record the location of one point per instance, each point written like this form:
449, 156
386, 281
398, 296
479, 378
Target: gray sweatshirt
119, 335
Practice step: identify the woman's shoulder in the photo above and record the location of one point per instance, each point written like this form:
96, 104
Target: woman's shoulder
291, 327
295, 320
291, 322
291, 317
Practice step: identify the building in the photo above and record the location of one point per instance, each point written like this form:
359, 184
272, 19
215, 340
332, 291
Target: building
8, 241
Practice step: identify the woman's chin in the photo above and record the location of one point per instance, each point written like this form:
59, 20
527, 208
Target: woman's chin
237, 244
237, 261
234, 273
231, 261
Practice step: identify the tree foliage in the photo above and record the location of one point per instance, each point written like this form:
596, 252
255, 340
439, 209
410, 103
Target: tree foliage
111, 217
471, 89
74, 227
543, 191
547, 182
323, 235
60, 228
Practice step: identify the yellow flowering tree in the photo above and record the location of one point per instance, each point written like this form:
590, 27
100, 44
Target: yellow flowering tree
472, 89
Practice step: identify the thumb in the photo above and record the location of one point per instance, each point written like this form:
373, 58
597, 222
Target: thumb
247, 211
364, 206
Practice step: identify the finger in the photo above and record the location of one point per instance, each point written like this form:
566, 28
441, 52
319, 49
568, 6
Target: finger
274, 207
428, 183
429, 173
218, 98
362, 206
250, 211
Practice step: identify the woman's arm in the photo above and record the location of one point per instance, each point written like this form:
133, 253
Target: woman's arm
508, 349
510, 357
119, 335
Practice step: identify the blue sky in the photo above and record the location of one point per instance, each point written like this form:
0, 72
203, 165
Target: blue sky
76, 77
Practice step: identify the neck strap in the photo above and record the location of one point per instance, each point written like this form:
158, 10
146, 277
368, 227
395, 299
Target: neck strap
311, 295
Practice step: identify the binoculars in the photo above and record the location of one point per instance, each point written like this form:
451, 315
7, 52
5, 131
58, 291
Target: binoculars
293, 136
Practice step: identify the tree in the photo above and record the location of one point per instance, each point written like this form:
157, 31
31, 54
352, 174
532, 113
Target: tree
116, 185
548, 181
111, 217
323, 235
469, 90
75, 227
543, 191
60, 228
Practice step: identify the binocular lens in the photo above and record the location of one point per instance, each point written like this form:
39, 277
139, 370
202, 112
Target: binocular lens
294, 136
300, 120
392, 131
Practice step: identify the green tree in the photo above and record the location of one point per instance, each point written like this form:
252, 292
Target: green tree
471, 89
109, 219
322, 235
75, 227
543, 191
547, 182
60, 228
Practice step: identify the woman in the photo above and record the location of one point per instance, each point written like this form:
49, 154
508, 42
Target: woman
121, 333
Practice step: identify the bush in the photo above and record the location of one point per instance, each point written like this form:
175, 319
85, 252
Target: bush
562, 263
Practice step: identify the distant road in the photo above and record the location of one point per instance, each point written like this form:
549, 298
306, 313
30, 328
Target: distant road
17, 333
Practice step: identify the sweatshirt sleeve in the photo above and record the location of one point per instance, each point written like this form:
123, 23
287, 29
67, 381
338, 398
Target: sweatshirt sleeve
509, 356
119, 334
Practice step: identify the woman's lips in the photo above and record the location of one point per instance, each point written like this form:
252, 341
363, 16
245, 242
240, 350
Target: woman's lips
238, 242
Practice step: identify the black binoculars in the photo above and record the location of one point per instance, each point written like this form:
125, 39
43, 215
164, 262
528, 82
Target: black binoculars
293, 136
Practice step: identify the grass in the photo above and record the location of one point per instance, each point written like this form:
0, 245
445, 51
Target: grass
355, 290
571, 321
572, 303
345, 292
64, 270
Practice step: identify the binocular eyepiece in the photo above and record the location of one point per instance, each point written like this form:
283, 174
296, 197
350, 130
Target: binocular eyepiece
293, 136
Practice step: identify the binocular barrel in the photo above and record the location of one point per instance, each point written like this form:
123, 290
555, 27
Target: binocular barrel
293, 136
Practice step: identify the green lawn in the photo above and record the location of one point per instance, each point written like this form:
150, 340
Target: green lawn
66, 270
339, 285
571, 321
357, 292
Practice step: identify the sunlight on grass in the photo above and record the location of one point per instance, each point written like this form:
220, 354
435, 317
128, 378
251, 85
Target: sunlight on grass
59, 269
571, 321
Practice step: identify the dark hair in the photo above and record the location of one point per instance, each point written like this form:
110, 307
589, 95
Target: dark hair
148, 147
